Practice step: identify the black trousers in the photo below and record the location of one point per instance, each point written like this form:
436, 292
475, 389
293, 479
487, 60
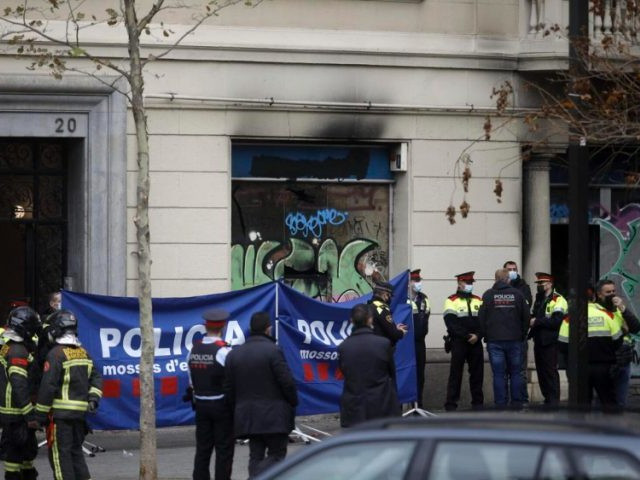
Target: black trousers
19, 447
463, 352
65, 452
214, 429
421, 360
601, 381
546, 357
265, 450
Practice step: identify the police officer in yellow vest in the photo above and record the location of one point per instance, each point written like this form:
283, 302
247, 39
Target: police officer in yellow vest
421, 309
549, 309
604, 339
606, 298
382, 320
463, 328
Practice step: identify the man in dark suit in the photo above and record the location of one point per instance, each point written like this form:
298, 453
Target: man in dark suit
366, 361
260, 387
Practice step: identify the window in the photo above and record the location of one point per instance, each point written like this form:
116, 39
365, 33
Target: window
555, 466
387, 460
484, 461
599, 464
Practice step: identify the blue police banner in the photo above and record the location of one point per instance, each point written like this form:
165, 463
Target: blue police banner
309, 333
108, 329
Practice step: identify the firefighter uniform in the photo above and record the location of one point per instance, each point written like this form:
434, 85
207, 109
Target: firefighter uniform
461, 318
604, 338
18, 442
548, 311
18, 445
214, 419
421, 309
71, 386
382, 320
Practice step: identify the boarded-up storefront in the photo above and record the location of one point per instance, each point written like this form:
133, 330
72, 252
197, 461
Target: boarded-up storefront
315, 216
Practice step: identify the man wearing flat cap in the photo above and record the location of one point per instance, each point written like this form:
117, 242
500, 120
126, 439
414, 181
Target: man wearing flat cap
382, 320
263, 393
549, 309
214, 420
463, 328
421, 311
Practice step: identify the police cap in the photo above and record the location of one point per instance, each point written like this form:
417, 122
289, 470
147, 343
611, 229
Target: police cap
542, 277
415, 275
215, 318
466, 277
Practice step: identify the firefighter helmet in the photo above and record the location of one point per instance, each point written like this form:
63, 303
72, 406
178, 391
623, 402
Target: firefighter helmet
24, 321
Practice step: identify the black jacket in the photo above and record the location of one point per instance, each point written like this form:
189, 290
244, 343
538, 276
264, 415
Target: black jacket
15, 383
70, 380
260, 388
545, 329
366, 361
421, 318
504, 314
383, 321
523, 287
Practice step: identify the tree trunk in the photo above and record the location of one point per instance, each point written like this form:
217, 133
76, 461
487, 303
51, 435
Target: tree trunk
148, 462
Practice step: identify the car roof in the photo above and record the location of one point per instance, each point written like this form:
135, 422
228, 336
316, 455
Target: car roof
554, 423
553, 430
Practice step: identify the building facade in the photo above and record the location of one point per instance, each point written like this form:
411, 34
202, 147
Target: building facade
317, 141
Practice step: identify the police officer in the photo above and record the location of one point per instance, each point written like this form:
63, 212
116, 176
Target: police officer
19, 444
214, 420
606, 298
382, 319
549, 309
421, 309
461, 318
71, 386
604, 339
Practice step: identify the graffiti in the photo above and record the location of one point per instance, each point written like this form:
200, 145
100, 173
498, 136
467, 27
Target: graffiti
321, 272
620, 256
298, 222
360, 226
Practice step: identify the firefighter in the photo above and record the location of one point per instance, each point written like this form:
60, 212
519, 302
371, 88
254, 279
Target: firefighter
214, 420
382, 320
421, 309
549, 309
463, 328
71, 386
18, 444
604, 339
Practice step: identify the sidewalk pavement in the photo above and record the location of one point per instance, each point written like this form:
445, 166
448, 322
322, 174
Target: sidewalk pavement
176, 449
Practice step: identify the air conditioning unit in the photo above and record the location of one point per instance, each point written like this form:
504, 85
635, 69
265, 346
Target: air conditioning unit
399, 157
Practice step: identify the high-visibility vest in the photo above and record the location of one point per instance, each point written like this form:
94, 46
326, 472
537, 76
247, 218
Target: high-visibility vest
557, 304
601, 324
458, 306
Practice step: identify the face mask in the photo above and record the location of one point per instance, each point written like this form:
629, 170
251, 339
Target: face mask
540, 289
608, 302
468, 288
417, 287
513, 275
56, 306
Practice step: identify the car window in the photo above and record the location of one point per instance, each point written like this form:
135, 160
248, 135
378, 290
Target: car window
387, 460
484, 461
606, 464
555, 466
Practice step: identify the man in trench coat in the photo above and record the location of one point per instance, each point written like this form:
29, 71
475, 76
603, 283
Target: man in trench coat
261, 389
366, 361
